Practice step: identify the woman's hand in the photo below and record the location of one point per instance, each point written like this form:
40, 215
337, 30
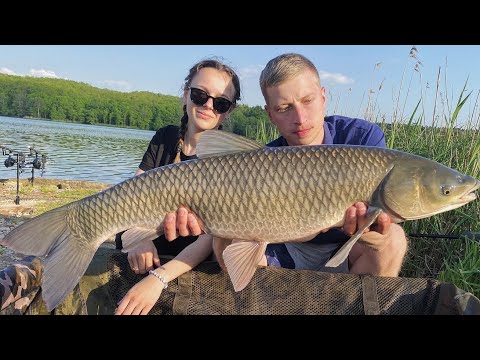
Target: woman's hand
141, 298
143, 257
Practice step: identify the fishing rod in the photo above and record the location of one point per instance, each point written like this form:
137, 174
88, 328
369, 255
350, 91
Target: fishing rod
469, 234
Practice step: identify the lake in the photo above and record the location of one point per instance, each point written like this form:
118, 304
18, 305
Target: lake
74, 151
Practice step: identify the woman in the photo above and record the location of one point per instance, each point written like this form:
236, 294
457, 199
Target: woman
211, 91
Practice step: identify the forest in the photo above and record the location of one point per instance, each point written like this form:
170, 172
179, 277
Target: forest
76, 102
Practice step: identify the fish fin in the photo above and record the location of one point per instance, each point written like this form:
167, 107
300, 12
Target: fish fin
24, 238
64, 268
241, 259
342, 254
217, 142
132, 237
66, 258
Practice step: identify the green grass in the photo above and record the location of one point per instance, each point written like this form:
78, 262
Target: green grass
265, 132
462, 265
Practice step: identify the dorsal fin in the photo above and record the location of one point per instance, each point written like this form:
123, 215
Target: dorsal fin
218, 142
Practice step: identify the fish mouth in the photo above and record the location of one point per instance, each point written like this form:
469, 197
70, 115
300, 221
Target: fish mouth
470, 195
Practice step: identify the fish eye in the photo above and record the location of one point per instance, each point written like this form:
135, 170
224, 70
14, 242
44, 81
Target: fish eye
447, 189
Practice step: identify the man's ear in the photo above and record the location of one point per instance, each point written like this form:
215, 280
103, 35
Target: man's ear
323, 94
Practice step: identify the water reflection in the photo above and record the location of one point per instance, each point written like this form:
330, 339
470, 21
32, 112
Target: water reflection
77, 152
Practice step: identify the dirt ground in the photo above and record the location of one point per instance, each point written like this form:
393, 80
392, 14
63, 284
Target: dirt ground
34, 199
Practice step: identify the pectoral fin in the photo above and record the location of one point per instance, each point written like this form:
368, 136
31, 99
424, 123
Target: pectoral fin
342, 254
241, 260
132, 237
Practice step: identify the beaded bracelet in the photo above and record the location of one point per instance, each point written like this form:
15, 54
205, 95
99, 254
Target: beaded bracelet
159, 277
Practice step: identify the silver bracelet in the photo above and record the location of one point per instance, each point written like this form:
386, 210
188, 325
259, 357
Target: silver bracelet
159, 277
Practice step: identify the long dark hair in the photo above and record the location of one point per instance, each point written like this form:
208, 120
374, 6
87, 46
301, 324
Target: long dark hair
209, 63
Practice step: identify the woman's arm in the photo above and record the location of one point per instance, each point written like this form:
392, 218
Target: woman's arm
141, 298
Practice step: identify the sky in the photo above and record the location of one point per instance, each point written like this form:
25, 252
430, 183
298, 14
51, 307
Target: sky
359, 79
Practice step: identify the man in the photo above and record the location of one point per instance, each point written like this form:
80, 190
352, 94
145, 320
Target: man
295, 103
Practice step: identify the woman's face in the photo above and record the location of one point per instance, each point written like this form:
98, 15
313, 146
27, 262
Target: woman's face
216, 84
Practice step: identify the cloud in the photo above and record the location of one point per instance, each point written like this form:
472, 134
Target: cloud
43, 73
252, 71
6, 71
335, 78
118, 85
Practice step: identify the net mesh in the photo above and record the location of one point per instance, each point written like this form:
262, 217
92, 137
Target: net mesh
277, 291
207, 290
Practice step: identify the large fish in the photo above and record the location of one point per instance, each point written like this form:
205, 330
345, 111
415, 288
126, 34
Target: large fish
242, 190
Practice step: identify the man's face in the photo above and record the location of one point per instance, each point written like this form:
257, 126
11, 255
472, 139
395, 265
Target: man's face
297, 108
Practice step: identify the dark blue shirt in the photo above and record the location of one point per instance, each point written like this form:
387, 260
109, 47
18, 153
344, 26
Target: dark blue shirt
343, 130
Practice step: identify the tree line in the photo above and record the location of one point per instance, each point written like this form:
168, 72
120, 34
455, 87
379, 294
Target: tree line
72, 101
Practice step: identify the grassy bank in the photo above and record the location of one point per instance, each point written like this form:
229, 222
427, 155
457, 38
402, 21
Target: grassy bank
43, 194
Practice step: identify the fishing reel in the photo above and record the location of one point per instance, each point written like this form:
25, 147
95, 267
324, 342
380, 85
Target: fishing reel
10, 161
14, 157
20, 159
39, 161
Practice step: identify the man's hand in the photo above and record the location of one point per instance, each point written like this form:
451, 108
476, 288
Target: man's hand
181, 223
381, 249
142, 258
374, 236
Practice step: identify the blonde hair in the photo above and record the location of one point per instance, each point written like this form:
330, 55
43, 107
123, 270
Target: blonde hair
282, 68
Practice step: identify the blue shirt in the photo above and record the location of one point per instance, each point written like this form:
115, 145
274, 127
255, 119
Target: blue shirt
343, 130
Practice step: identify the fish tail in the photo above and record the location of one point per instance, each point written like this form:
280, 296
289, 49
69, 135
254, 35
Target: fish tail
66, 256
63, 269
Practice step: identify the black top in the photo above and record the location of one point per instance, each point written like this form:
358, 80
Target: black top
161, 150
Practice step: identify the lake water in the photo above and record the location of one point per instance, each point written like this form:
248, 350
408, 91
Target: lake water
75, 151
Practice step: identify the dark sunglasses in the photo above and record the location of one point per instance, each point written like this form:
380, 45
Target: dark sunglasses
200, 97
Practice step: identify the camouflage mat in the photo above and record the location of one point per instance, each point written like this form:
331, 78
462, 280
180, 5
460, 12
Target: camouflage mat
19, 285
207, 290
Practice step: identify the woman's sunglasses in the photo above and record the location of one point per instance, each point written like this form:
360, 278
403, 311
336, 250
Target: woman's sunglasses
200, 97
